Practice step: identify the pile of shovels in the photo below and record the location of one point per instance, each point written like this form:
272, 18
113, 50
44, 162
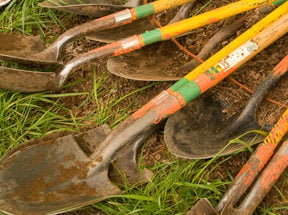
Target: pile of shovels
61, 174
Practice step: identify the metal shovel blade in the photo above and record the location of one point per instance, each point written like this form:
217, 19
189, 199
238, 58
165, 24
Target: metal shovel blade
202, 130
157, 62
114, 34
27, 81
20, 46
50, 176
92, 8
202, 207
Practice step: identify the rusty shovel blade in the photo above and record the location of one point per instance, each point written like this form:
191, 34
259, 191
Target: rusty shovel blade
184, 131
202, 207
27, 81
92, 8
50, 176
111, 35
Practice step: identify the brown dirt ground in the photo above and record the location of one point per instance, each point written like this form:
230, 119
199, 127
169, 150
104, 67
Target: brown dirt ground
250, 75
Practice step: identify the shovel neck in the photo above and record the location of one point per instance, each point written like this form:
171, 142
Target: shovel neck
84, 29
257, 97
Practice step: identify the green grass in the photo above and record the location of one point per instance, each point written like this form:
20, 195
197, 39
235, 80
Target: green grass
175, 188
27, 18
24, 117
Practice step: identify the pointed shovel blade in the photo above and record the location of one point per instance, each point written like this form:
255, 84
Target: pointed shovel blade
157, 62
50, 175
202, 207
201, 130
138, 26
20, 46
27, 81
92, 8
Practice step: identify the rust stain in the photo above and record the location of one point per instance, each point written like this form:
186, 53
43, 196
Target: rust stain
37, 189
269, 177
281, 67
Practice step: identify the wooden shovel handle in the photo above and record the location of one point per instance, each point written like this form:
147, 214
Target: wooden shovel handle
255, 164
266, 180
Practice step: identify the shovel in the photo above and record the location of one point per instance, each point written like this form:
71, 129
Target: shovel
15, 79
248, 174
264, 183
92, 8
51, 54
184, 131
35, 182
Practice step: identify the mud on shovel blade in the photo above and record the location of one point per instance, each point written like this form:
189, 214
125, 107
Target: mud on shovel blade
50, 176
202, 130
160, 63
92, 8
12, 44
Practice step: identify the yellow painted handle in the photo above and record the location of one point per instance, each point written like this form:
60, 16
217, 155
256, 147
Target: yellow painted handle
162, 5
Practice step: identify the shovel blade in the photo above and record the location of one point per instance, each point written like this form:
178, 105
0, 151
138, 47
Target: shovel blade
21, 46
201, 130
202, 207
50, 176
157, 62
92, 8
114, 34
27, 81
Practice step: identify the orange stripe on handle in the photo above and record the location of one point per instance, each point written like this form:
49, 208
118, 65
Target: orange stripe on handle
266, 180
281, 67
163, 105
256, 163
265, 150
